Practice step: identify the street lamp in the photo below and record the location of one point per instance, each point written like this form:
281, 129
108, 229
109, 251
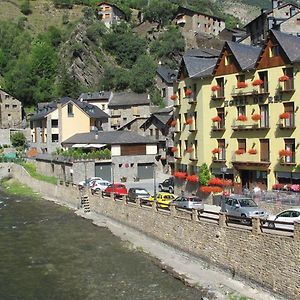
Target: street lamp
154, 180
224, 170
113, 178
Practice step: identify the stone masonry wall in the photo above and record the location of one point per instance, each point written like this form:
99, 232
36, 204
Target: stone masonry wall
267, 259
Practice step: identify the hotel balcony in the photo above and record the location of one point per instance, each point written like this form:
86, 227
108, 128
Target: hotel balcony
192, 100
218, 126
288, 160
250, 90
250, 125
177, 103
288, 123
193, 127
247, 159
218, 95
286, 86
220, 157
193, 156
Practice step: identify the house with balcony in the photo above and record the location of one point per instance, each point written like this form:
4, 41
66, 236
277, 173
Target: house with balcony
196, 22
283, 16
249, 97
56, 121
109, 13
127, 106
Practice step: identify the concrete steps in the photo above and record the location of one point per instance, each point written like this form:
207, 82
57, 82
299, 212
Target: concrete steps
85, 204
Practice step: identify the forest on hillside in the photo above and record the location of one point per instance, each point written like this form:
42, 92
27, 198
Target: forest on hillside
39, 66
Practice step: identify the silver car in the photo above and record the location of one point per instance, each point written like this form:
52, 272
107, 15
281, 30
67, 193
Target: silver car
189, 202
243, 206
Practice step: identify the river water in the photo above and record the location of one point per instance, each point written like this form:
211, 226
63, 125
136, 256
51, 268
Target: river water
47, 252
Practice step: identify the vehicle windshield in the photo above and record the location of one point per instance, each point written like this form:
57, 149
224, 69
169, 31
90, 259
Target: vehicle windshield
141, 192
247, 203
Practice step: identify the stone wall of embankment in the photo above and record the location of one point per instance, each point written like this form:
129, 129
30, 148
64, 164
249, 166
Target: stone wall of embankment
267, 259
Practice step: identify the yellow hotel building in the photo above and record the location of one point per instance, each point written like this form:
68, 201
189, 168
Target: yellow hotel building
239, 113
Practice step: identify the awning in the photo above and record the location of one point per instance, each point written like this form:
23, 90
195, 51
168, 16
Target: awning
94, 145
79, 145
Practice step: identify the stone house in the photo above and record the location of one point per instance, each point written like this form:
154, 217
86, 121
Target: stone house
10, 111
99, 99
132, 155
109, 13
56, 121
197, 22
126, 106
258, 28
164, 82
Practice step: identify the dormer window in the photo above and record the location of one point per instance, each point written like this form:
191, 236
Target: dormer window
228, 59
274, 51
70, 110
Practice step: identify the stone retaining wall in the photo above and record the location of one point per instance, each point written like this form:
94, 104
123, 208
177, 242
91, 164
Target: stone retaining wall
267, 259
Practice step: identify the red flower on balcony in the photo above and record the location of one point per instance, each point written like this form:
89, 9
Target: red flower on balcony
205, 189
256, 117
242, 118
215, 181
173, 97
257, 82
216, 150
285, 115
173, 123
216, 119
192, 178
241, 85
284, 78
190, 149
180, 175
174, 149
215, 88
239, 151
188, 92
285, 153
252, 151
189, 121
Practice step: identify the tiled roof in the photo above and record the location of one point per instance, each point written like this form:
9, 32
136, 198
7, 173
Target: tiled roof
167, 74
202, 52
245, 55
108, 137
199, 67
94, 96
289, 43
128, 99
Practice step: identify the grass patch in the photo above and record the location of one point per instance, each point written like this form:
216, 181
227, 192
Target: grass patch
31, 169
14, 187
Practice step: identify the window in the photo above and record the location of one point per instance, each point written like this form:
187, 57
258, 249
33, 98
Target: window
242, 144
298, 21
163, 92
228, 59
240, 78
241, 110
54, 123
274, 51
6, 106
54, 138
15, 106
151, 131
70, 110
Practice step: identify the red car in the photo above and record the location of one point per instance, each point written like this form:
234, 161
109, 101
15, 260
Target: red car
118, 189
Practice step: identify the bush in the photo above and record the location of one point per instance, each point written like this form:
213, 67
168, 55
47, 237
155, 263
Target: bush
18, 139
25, 8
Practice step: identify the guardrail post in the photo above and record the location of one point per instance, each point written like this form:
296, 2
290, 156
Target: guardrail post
154, 205
138, 202
222, 220
195, 215
124, 199
173, 210
256, 225
112, 196
297, 231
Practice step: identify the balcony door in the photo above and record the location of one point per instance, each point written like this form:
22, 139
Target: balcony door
289, 108
264, 77
221, 146
264, 150
264, 113
290, 146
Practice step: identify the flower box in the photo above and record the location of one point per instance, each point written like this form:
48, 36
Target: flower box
241, 85
173, 97
189, 121
192, 178
284, 78
190, 149
239, 151
256, 117
180, 175
257, 82
252, 151
215, 88
215, 181
216, 119
216, 151
173, 123
285, 153
174, 149
210, 189
188, 92
285, 115
242, 118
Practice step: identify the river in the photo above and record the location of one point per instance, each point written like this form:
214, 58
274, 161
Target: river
47, 252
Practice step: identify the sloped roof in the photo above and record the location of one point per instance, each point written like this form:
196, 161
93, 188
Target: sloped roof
290, 44
199, 67
108, 137
132, 122
202, 52
183, 10
102, 95
167, 74
245, 55
128, 99
47, 108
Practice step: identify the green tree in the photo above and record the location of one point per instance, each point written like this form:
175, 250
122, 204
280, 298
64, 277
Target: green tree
18, 139
204, 174
25, 8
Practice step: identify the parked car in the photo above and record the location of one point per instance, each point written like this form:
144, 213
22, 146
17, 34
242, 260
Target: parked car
99, 185
119, 189
163, 199
88, 182
189, 202
135, 192
167, 185
289, 215
242, 206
